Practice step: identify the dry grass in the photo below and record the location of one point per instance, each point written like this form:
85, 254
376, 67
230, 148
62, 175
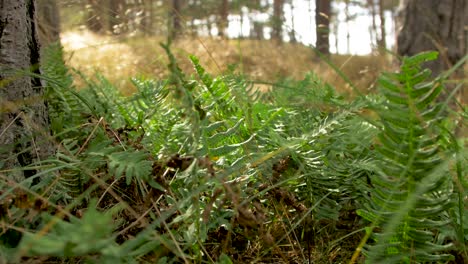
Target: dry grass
121, 58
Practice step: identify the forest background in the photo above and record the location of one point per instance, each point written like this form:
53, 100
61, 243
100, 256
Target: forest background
123, 38
233, 131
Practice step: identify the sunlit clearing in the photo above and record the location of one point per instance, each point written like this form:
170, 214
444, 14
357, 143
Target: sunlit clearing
111, 57
74, 40
119, 59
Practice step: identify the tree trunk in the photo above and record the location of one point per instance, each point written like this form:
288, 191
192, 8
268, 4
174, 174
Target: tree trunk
310, 13
322, 22
335, 30
382, 43
115, 17
23, 112
277, 20
146, 25
208, 26
433, 25
223, 18
176, 25
348, 34
95, 20
373, 32
49, 21
241, 32
257, 30
292, 35
439, 25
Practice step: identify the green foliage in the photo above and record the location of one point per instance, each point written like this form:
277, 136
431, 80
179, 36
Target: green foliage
412, 191
133, 164
90, 234
197, 168
65, 104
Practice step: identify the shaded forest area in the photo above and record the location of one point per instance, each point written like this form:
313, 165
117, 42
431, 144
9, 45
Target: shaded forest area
233, 131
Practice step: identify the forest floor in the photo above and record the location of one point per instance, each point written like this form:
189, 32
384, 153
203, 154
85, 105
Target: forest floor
119, 59
265, 62
271, 224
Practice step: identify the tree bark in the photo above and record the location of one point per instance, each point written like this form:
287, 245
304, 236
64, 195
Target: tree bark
292, 34
322, 22
373, 32
23, 112
348, 33
257, 30
277, 20
176, 25
146, 25
223, 18
439, 25
381, 42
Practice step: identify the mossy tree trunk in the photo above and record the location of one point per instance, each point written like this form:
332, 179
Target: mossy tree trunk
24, 133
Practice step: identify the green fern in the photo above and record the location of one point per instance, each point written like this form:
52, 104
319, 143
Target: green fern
67, 108
225, 128
90, 235
410, 208
134, 164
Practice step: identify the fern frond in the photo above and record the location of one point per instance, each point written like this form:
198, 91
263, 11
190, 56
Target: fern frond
132, 164
409, 151
65, 107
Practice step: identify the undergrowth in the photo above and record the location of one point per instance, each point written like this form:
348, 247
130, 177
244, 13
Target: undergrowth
208, 169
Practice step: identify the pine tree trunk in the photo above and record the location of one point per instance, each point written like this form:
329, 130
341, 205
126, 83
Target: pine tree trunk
322, 22
373, 32
440, 25
223, 18
434, 25
176, 25
382, 43
146, 25
348, 33
23, 113
292, 35
277, 20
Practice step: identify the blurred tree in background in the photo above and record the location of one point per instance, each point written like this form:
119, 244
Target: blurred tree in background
262, 19
223, 20
277, 20
95, 18
255, 19
322, 21
435, 25
176, 14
